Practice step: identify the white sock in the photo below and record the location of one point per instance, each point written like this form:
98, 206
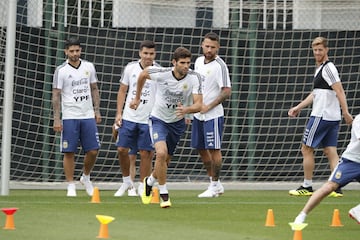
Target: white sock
128, 180
163, 189
87, 177
307, 183
300, 218
151, 180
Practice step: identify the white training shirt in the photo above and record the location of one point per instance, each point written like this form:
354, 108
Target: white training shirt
171, 91
129, 77
325, 103
352, 152
216, 77
76, 99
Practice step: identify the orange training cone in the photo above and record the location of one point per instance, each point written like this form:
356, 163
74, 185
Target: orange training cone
297, 235
104, 221
155, 198
9, 222
96, 196
270, 222
336, 219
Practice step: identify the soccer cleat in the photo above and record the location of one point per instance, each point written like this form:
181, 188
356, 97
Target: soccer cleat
146, 192
209, 193
302, 191
122, 189
71, 190
220, 189
354, 213
337, 193
165, 204
132, 192
84, 180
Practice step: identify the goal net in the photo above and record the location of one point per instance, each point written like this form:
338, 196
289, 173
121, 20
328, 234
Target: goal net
266, 44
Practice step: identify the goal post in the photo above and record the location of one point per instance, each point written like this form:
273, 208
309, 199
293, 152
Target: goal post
266, 44
7, 94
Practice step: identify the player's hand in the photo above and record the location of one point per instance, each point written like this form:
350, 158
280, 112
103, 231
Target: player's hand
180, 111
115, 132
293, 112
57, 125
98, 117
348, 118
135, 104
204, 109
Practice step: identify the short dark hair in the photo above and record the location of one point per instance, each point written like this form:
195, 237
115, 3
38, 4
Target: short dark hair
212, 36
181, 52
73, 41
147, 44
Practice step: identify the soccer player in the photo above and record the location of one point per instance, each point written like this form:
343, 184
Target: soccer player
323, 125
178, 93
347, 170
133, 125
208, 124
75, 95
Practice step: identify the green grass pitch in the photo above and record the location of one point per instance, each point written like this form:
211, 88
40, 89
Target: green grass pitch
237, 215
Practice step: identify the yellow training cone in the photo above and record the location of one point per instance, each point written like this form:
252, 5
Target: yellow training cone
104, 221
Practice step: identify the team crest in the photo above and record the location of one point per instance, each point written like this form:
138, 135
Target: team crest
65, 144
338, 175
185, 87
155, 135
87, 73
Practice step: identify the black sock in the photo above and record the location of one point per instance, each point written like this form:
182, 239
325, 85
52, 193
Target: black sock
164, 197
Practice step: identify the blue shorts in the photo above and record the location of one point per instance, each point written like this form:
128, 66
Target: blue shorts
169, 132
207, 134
321, 133
135, 136
345, 172
83, 130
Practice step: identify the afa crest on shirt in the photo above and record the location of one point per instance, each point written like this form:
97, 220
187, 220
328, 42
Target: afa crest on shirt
87, 73
338, 174
185, 87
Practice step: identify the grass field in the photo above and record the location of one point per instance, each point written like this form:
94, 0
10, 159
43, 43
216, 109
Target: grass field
240, 215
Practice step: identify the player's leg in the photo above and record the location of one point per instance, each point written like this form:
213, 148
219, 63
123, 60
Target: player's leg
89, 138
132, 170
146, 152
330, 150
68, 146
315, 199
344, 172
312, 137
69, 168
124, 143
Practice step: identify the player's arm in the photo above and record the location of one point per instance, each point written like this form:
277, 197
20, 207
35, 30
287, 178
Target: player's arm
56, 102
293, 112
224, 94
120, 103
139, 86
340, 94
181, 111
96, 101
